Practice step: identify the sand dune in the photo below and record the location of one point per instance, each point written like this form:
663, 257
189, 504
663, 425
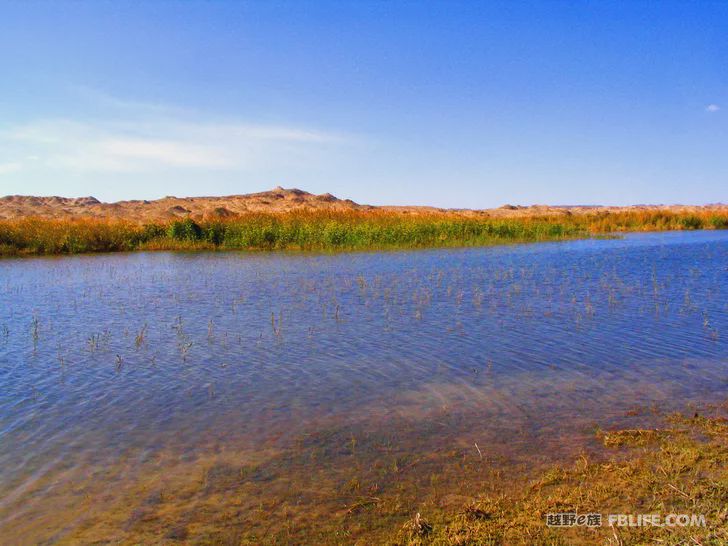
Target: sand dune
275, 200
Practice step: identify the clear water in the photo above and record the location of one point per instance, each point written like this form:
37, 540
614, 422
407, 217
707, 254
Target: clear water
125, 356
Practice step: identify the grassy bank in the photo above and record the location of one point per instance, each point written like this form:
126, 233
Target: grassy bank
327, 231
676, 469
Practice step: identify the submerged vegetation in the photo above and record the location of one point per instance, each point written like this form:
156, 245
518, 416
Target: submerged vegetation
678, 469
382, 495
329, 230
364, 398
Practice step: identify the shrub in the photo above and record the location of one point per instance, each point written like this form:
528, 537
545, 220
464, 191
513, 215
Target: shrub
185, 230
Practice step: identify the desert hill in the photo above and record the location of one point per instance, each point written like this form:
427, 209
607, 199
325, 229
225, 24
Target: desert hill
170, 207
276, 200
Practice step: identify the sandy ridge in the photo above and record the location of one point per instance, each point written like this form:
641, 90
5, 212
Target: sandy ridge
275, 200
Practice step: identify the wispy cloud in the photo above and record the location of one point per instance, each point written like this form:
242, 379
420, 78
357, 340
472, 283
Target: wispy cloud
7, 168
130, 136
112, 103
157, 144
712, 108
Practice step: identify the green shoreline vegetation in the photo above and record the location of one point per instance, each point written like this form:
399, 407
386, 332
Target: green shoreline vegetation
329, 230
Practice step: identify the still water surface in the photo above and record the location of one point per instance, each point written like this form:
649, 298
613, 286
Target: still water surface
110, 361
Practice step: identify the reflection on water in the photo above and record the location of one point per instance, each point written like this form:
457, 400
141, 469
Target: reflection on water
118, 366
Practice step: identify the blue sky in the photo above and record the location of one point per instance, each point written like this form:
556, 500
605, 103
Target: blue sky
458, 104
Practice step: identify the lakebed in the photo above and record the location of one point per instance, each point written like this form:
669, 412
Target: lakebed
277, 397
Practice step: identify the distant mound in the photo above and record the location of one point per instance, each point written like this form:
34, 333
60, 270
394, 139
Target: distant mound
210, 208
52, 201
277, 200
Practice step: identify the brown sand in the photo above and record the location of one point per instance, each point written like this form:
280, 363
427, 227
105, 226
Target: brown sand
275, 200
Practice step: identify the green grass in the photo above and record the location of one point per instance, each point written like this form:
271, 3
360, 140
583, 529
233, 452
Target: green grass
348, 230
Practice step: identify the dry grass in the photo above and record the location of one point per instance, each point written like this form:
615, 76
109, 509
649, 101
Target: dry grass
330, 230
677, 470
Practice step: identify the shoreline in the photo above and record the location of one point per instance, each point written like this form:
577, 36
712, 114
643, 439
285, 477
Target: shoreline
330, 231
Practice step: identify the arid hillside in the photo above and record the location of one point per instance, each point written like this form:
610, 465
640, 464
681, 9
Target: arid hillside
275, 200
169, 208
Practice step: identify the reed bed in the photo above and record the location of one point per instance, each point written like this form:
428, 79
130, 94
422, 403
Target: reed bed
329, 230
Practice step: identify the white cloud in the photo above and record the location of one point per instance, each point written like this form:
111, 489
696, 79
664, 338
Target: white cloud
122, 148
123, 106
164, 151
712, 108
151, 145
7, 168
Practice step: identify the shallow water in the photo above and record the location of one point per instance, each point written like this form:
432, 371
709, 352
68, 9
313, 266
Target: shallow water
114, 362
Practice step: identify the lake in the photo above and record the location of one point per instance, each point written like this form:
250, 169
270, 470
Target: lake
277, 396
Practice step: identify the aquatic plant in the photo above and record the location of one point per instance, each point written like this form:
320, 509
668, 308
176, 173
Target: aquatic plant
676, 469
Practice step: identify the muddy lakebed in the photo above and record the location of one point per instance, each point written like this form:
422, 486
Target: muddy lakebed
295, 397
